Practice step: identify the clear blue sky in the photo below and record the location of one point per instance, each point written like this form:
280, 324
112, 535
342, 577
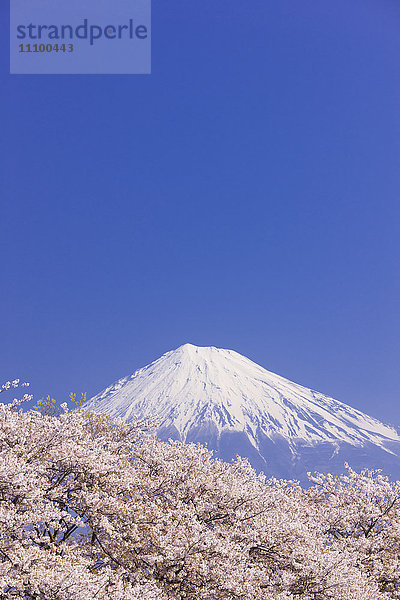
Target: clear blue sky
245, 195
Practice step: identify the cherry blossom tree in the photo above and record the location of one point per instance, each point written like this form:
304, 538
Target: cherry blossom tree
360, 513
95, 508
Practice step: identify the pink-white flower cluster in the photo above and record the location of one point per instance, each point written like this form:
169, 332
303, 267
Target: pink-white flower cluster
94, 508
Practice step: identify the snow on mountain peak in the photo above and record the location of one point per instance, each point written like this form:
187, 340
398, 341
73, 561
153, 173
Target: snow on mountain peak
206, 388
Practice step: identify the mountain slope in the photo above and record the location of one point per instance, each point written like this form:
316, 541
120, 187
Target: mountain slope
221, 398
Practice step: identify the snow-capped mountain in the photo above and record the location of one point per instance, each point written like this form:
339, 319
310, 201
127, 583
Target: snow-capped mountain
220, 398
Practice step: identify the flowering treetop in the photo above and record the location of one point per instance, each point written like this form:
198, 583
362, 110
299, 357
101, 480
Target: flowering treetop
94, 508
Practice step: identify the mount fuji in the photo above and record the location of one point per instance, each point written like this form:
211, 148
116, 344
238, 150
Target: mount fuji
224, 400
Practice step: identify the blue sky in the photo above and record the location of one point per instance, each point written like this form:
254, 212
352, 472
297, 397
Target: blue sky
245, 195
